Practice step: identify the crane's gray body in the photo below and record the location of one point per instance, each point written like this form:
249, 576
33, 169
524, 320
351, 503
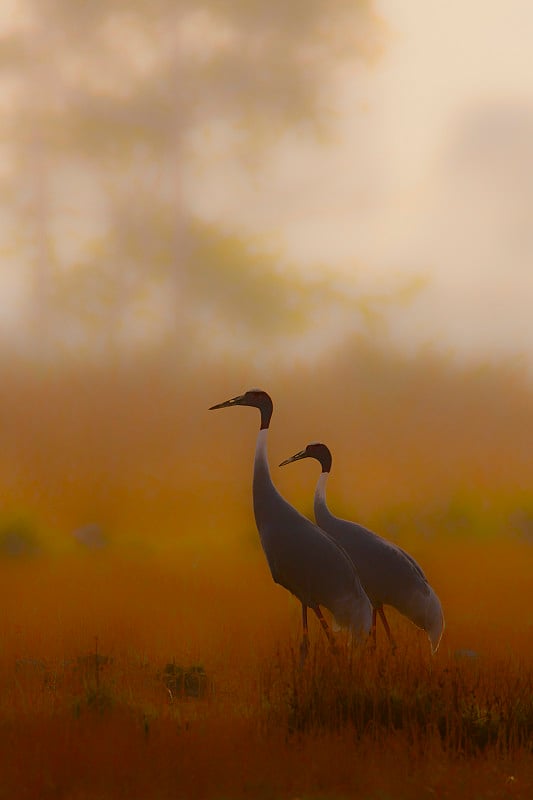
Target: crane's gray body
389, 575
302, 558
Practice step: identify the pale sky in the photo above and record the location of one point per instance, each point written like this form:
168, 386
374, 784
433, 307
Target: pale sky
430, 175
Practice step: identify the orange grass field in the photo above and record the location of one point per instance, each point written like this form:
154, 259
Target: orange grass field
164, 665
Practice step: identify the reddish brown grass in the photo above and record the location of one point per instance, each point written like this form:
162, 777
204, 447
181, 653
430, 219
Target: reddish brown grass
375, 724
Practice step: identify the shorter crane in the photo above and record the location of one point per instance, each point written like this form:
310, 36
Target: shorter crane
389, 575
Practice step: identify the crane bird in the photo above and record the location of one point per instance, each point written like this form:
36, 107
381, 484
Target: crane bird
301, 557
389, 575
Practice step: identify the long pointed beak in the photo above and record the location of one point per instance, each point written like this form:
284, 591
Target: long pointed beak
295, 457
235, 401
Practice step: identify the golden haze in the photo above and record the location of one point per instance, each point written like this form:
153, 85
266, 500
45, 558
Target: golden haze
437, 458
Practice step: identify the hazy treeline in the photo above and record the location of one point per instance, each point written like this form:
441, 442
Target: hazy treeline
116, 115
419, 445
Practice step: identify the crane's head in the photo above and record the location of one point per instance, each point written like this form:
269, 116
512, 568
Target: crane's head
313, 450
256, 398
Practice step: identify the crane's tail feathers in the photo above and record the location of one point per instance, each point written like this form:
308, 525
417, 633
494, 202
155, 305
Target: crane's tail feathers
356, 616
434, 622
436, 636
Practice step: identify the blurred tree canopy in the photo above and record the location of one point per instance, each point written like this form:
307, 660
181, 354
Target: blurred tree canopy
108, 106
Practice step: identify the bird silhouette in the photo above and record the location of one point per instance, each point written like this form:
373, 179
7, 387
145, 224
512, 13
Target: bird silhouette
389, 575
301, 557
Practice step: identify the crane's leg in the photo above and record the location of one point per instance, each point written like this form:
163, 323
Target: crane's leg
387, 629
373, 629
325, 627
304, 647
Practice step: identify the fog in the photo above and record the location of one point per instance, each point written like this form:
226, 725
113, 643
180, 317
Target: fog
425, 183
267, 184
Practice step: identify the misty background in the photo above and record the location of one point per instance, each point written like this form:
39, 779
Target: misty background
329, 200
264, 182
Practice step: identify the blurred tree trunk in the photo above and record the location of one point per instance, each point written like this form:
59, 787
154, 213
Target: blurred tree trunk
42, 274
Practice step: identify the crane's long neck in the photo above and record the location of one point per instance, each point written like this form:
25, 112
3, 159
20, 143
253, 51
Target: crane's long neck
320, 504
263, 488
261, 468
